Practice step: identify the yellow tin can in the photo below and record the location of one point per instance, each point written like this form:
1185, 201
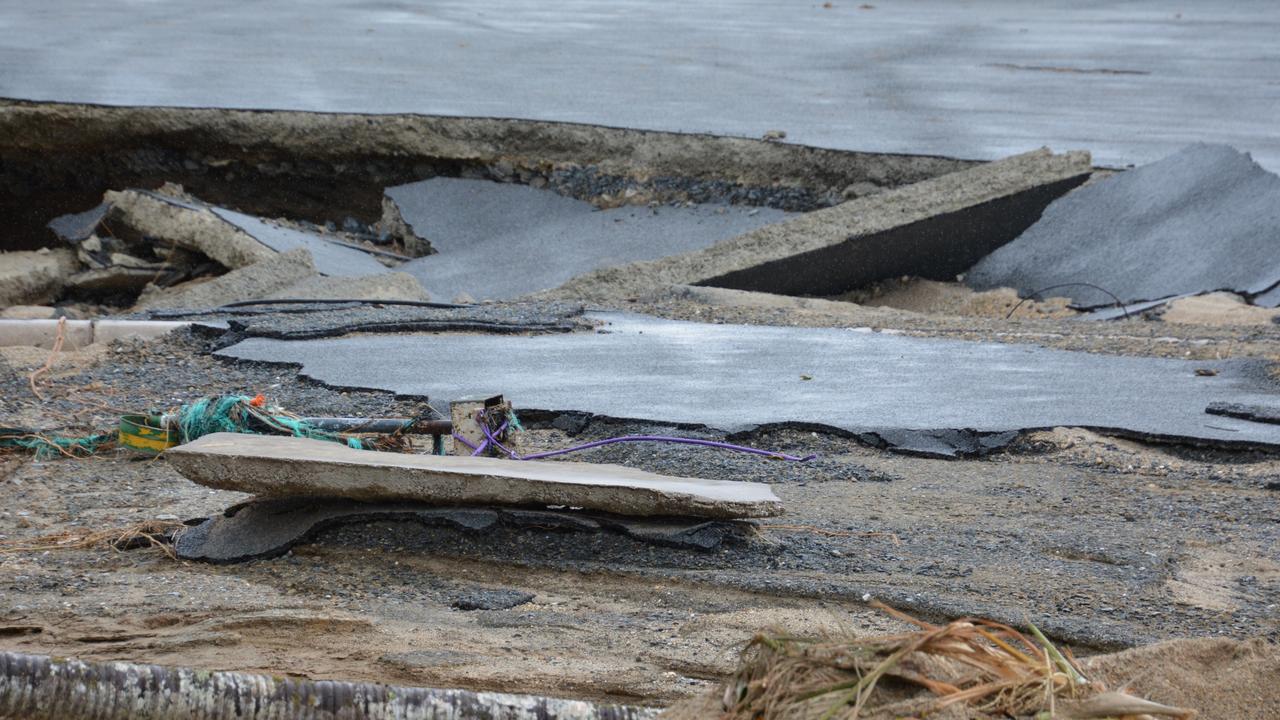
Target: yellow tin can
146, 434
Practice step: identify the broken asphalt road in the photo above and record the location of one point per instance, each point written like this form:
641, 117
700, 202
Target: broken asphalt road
935, 228
479, 228
1206, 218
976, 80
734, 377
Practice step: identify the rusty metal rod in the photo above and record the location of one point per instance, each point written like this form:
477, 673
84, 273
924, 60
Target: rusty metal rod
384, 426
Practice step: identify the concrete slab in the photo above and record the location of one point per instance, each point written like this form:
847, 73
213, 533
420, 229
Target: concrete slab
1203, 219
268, 528
1133, 81
935, 229
286, 466
735, 377
482, 231
32, 277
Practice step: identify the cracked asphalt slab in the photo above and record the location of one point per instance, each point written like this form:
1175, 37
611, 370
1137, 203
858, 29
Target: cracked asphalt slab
735, 377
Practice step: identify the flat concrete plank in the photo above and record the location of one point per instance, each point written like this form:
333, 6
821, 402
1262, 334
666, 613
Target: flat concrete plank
287, 466
935, 228
1203, 219
1132, 81
735, 377
498, 241
330, 258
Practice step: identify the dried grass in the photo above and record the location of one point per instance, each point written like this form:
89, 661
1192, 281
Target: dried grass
149, 533
983, 666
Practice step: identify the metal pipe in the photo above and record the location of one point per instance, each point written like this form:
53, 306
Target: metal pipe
384, 426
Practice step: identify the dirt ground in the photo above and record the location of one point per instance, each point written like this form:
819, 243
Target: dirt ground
1106, 543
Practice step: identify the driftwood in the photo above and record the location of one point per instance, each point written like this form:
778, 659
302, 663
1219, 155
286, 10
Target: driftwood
36, 687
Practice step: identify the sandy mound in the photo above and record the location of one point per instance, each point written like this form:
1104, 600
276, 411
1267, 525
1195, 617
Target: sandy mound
1220, 678
948, 298
1220, 308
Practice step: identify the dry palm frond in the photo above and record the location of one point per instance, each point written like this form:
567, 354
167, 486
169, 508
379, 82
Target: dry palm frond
149, 533
989, 667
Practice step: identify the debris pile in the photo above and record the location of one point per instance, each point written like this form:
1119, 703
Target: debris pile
558, 302
144, 250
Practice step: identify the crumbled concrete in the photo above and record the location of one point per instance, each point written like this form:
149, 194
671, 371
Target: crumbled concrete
481, 230
33, 277
111, 281
1200, 220
393, 225
195, 228
934, 229
233, 239
384, 286
252, 282
286, 466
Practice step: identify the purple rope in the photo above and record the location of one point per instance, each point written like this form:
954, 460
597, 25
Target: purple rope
489, 435
475, 449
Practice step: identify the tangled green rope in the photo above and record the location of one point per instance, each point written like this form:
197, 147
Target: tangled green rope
237, 414
226, 413
51, 446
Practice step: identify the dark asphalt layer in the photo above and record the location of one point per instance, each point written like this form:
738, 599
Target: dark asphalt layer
481, 230
1203, 219
1130, 81
733, 377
